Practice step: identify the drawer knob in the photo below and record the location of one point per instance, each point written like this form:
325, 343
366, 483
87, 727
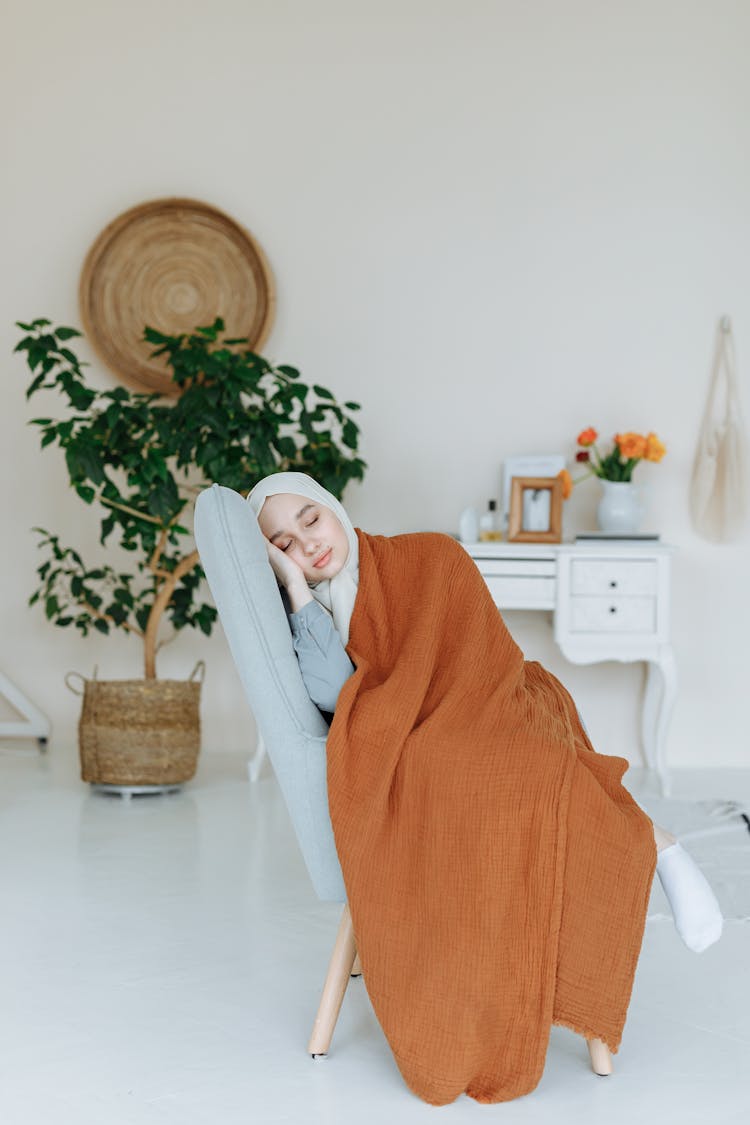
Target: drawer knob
613, 609
613, 583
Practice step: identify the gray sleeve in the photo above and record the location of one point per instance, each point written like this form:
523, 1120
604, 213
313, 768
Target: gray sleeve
323, 660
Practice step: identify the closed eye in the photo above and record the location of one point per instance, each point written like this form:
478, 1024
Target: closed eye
306, 525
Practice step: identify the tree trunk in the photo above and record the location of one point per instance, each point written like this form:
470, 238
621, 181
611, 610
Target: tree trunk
161, 602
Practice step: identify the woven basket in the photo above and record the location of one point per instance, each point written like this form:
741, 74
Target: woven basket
139, 732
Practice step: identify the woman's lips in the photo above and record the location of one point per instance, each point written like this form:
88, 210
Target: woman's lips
325, 558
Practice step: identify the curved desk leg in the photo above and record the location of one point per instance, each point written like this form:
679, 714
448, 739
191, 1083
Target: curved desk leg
669, 694
651, 701
658, 704
254, 764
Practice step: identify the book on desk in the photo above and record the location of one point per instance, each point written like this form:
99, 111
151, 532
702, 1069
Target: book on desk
617, 537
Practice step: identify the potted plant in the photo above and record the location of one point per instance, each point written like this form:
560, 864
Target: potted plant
141, 461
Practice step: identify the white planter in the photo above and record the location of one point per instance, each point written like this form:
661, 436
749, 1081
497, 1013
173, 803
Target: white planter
621, 507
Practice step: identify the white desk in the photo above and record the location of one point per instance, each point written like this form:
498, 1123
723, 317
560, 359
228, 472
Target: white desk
610, 601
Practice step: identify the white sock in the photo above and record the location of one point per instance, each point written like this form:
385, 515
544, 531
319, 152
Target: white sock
697, 914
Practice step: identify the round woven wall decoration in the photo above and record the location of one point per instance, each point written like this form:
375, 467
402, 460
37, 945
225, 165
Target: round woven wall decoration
175, 265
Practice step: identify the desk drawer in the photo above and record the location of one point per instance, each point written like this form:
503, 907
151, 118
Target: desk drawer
621, 577
612, 615
517, 568
520, 592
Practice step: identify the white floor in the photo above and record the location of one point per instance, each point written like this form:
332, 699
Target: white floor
162, 960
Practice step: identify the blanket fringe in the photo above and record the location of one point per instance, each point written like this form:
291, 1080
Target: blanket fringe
587, 1033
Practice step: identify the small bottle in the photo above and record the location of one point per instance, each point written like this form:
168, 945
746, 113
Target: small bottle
489, 524
468, 526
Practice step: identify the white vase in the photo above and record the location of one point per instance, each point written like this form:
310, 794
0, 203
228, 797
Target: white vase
621, 507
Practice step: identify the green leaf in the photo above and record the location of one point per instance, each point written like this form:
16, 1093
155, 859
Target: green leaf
66, 333
117, 612
158, 463
163, 499
35, 385
154, 337
81, 397
210, 332
108, 525
83, 461
349, 434
141, 616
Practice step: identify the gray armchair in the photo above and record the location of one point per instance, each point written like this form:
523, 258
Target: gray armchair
234, 556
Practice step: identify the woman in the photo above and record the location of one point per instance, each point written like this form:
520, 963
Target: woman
314, 551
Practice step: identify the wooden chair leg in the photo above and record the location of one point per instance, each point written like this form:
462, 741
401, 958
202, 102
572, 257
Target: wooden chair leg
601, 1059
342, 960
356, 967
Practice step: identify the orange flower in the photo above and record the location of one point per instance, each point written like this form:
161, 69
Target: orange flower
587, 437
567, 482
654, 448
631, 445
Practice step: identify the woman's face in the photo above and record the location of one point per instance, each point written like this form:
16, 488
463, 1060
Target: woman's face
309, 532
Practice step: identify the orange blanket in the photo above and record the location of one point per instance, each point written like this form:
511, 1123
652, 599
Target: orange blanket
497, 871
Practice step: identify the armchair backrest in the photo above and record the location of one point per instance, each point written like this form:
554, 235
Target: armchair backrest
235, 559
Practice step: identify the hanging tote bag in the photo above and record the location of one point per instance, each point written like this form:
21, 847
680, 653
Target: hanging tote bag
719, 488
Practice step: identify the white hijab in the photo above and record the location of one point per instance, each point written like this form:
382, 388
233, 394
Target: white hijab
336, 594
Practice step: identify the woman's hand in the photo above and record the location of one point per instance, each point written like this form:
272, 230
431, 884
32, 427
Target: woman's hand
291, 575
288, 572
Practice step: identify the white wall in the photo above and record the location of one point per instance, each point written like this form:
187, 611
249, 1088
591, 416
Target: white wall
490, 223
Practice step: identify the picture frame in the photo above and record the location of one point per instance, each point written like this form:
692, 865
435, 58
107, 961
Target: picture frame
527, 465
535, 510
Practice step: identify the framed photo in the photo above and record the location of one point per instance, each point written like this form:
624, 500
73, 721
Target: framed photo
535, 510
527, 465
